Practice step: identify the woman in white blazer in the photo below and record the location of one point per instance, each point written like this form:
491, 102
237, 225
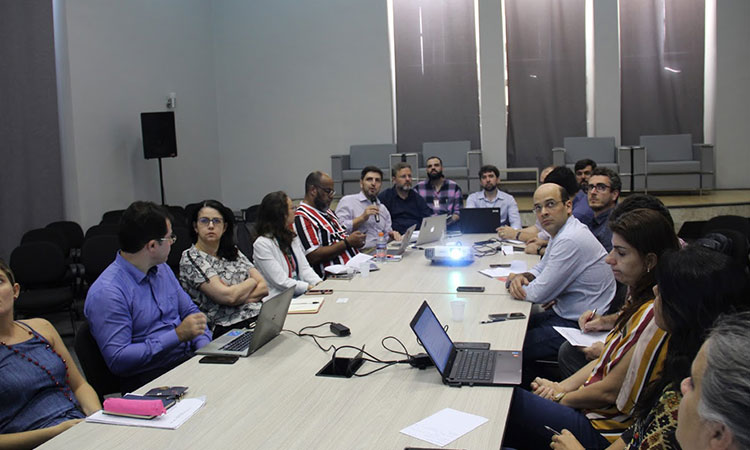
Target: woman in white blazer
278, 252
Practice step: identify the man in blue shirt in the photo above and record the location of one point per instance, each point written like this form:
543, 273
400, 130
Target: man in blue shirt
572, 273
603, 190
407, 208
492, 197
142, 320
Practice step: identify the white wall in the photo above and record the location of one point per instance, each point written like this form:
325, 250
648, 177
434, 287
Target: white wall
295, 83
732, 94
268, 90
124, 58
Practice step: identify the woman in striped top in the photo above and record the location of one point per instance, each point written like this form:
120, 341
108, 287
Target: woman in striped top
596, 403
695, 286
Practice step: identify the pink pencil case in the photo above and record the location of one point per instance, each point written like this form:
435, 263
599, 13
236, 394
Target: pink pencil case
134, 407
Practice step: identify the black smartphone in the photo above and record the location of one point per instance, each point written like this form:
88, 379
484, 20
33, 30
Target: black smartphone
319, 292
470, 289
499, 265
516, 315
507, 316
518, 249
498, 316
219, 359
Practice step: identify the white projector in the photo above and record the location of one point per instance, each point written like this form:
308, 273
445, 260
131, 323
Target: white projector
453, 255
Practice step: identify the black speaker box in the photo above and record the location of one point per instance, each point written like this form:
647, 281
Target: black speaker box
159, 139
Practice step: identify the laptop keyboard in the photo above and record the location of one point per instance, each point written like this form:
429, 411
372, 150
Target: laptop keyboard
475, 365
240, 343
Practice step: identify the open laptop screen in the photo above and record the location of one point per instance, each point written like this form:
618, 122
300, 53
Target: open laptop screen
433, 337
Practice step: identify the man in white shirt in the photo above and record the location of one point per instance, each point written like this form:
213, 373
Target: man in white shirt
364, 211
492, 197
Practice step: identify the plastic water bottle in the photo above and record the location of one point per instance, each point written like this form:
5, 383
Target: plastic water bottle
381, 247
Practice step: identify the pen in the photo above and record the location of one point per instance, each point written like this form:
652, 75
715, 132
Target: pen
552, 430
591, 317
492, 321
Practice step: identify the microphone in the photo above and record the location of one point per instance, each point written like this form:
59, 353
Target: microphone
377, 216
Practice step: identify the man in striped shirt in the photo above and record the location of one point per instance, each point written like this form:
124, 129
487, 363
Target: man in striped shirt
324, 239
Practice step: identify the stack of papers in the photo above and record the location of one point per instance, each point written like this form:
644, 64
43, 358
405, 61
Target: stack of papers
444, 426
501, 273
175, 416
306, 305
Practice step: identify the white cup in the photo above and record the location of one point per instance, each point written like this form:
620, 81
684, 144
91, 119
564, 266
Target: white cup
364, 269
457, 310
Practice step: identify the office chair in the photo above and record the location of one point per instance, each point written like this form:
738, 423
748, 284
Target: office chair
94, 368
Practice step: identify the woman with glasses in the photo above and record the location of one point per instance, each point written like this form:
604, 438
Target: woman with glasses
695, 286
221, 280
278, 251
41, 390
596, 403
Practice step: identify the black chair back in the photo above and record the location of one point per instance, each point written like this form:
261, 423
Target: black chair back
728, 222
112, 217
97, 253
48, 235
110, 229
97, 373
72, 231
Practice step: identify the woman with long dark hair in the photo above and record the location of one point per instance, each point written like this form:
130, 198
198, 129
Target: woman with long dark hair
278, 252
597, 401
221, 280
695, 286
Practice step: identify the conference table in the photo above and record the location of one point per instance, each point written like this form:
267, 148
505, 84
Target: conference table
273, 399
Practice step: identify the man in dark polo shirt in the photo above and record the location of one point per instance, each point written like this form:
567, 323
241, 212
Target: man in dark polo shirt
406, 206
603, 189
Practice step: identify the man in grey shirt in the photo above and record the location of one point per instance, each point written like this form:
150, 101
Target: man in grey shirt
364, 212
572, 273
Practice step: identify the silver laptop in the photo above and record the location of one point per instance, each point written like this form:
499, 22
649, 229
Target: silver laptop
464, 367
404, 242
432, 229
244, 341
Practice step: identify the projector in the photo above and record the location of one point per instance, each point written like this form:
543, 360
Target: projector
453, 255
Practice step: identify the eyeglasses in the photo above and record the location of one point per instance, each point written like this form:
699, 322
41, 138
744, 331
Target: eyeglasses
549, 204
172, 238
205, 221
599, 187
329, 191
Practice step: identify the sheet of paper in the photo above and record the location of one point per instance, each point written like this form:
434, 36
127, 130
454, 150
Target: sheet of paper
337, 269
516, 266
175, 416
580, 339
444, 426
342, 300
358, 259
507, 249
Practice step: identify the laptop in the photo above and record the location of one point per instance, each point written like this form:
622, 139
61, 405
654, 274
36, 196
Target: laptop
479, 220
432, 229
404, 242
244, 341
464, 367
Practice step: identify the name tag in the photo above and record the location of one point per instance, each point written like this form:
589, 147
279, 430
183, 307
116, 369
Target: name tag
436, 202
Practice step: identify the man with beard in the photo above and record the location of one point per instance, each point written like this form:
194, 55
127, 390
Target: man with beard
491, 197
603, 190
581, 210
443, 196
406, 207
324, 239
364, 212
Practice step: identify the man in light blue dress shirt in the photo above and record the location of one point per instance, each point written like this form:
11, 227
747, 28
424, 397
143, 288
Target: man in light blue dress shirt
492, 197
364, 211
572, 272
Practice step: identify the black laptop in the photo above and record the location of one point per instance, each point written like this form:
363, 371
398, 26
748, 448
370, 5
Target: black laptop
479, 220
464, 367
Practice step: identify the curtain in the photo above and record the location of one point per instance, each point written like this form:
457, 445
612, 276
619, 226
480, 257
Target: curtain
661, 63
31, 180
437, 90
546, 53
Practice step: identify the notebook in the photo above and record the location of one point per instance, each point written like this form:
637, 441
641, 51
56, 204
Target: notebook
244, 341
432, 229
404, 242
479, 220
460, 367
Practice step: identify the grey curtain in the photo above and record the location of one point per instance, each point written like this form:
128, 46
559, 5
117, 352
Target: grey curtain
546, 53
31, 180
661, 63
437, 92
